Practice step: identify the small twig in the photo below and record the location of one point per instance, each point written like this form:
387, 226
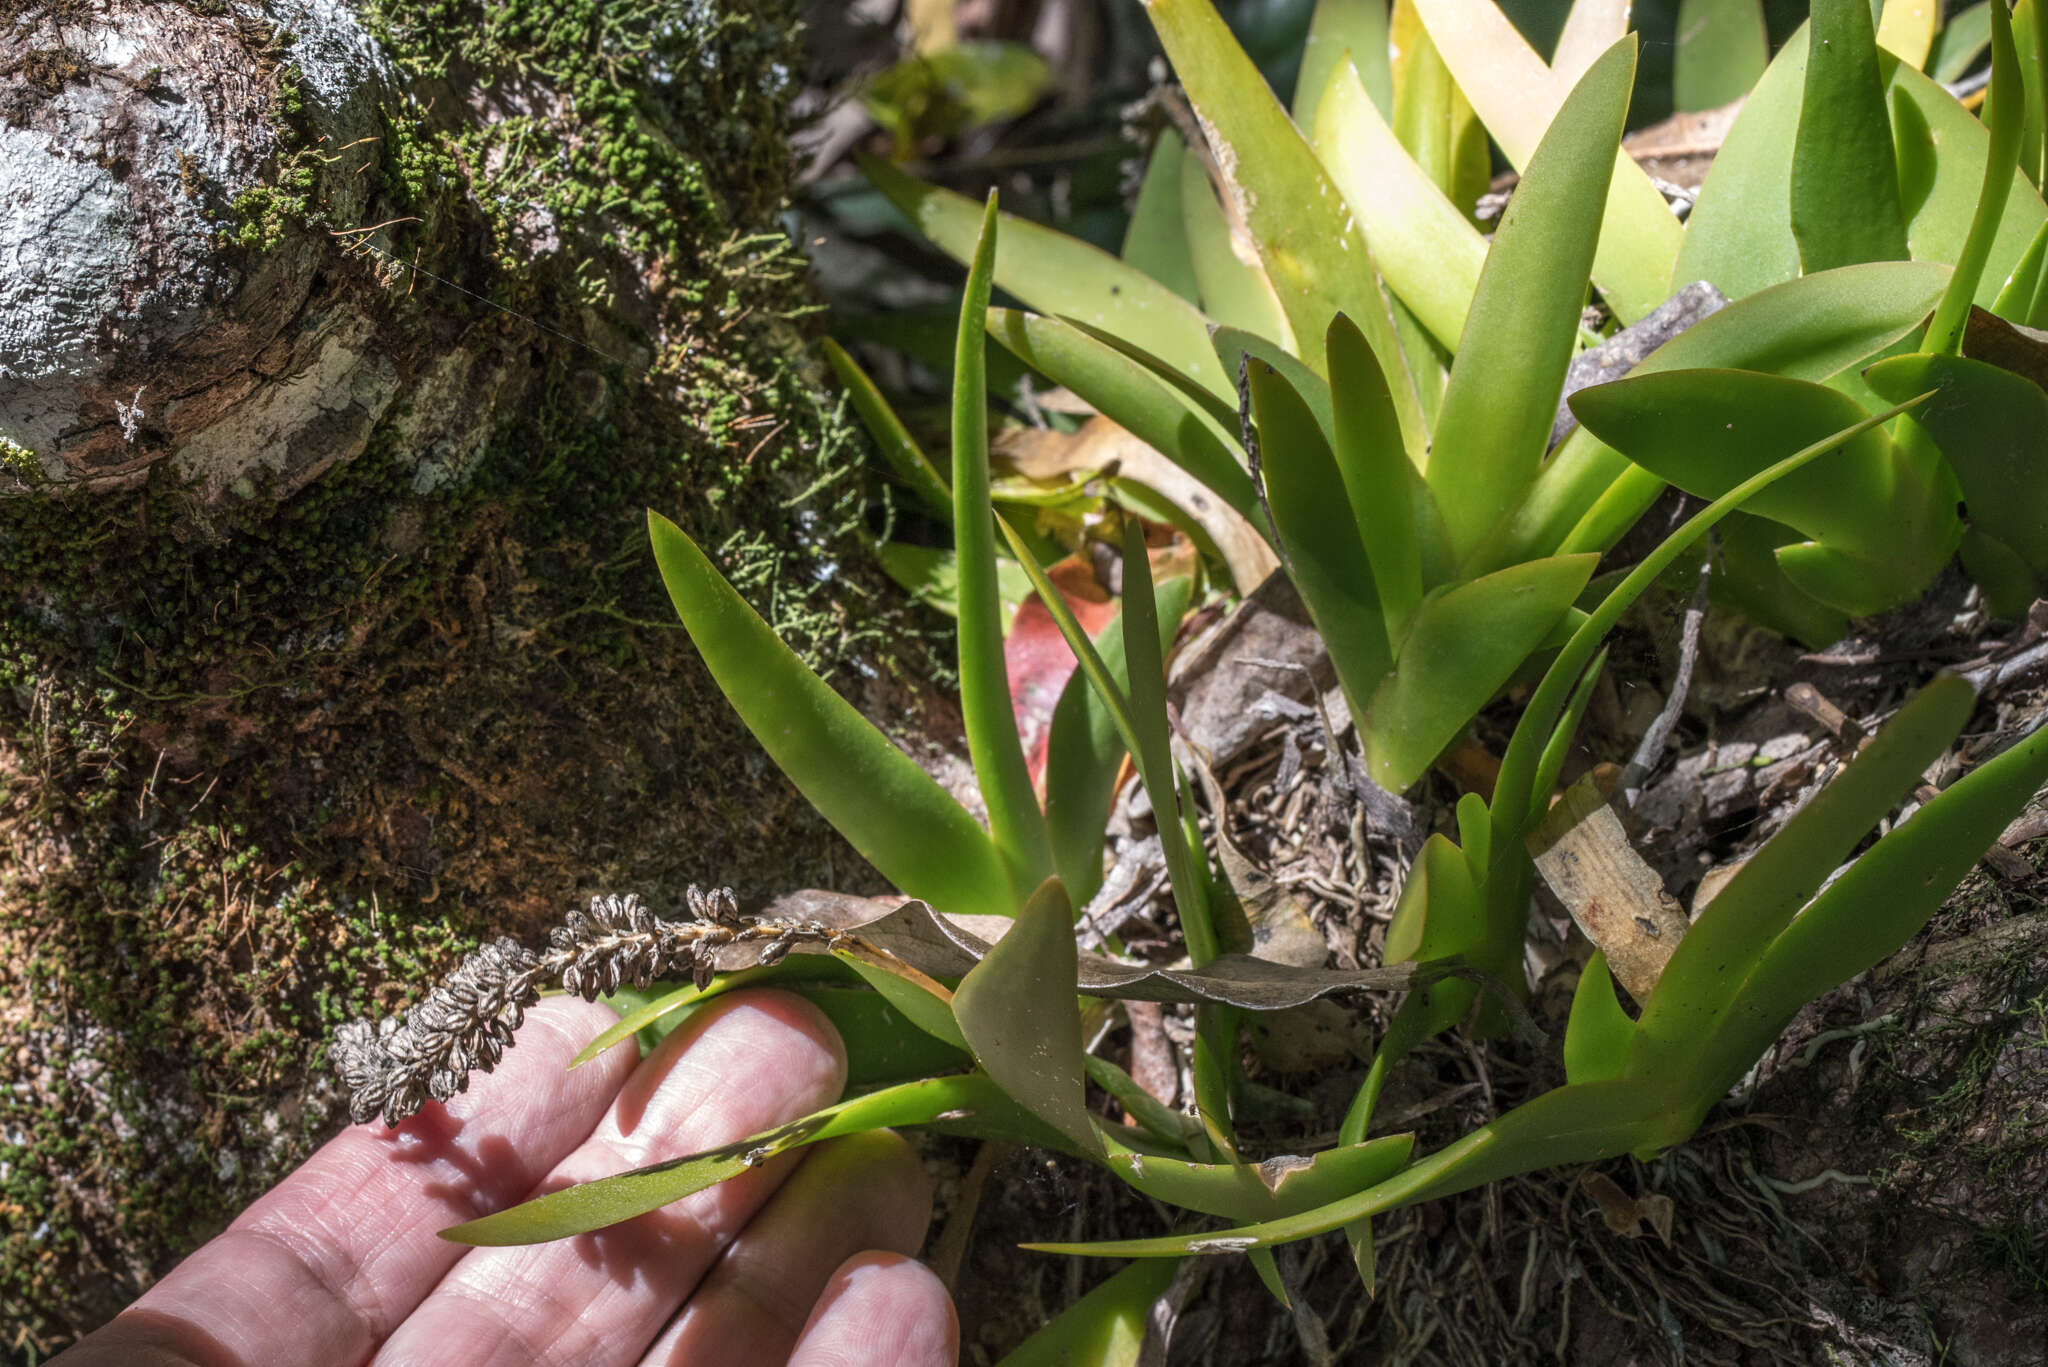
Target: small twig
1651, 748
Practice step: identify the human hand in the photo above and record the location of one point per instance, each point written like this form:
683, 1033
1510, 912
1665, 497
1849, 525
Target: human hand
803, 1259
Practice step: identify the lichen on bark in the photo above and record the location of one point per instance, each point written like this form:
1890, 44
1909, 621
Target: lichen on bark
328, 641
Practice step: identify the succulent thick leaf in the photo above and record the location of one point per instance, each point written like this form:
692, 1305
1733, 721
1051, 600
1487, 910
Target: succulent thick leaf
1313, 251
1598, 1035
1738, 926
1845, 178
1870, 911
1441, 914
1280, 1186
1722, 51
1106, 1327
1234, 291
1063, 276
1524, 322
1428, 251
2018, 299
906, 460
1391, 506
1740, 238
1156, 242
1517, 96
1907, 29
1810, 329
1324, 555
1016, 824
922, 1001
1016, 1009
1992, 426
1236, 348
2030, 39
1515, 801
594, 1205
1592, 27
1135, 398
1573, 1124
890, 810
1431, 116
1341, 34
2004, 117
1708, 430
1961, 42
1464, 643
931, 575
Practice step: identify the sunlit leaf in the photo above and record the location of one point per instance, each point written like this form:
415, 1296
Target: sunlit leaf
1517, 95
1339, 30
1313, 251
1708, 430
1907, 29
1426, 248
1463, 644
1234, 290
1063, 276
1431, 117
1523, 326
1845, 179
1722, 50
1961, 43
1808, 329
2004, 116
890, 810
1390, 503
1156, 242
931, 574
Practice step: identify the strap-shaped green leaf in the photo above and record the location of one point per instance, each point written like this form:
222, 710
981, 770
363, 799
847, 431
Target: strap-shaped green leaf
2004, 116
1574, 1124
1134, 397
1105, 1328
1845, 177
1517, 96
1733, 933
1464, 643
608, 1200
890, 810
906, 460
1016, 1009
1808, 329
1599, 1032
1722, 51
1156, 242
1707, 430
1063, 276
1395, 514
1341, 34
1234, 292
1523, 327
1324, 556
1429, 252
1238, 1191
1992, 425
1015, 822
1869, 912
1314, 253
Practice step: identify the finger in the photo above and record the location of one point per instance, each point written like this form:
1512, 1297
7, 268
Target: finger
881, 1310
326, 1265
867, 1191
749, 1062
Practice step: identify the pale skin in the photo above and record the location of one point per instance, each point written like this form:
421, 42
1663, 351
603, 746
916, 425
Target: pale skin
808, 1259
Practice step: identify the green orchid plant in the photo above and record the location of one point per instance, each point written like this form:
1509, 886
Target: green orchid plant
1371, 385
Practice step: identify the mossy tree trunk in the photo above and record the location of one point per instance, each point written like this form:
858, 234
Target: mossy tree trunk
341, 351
